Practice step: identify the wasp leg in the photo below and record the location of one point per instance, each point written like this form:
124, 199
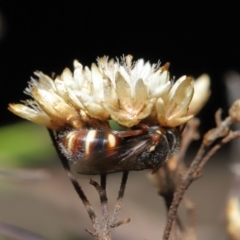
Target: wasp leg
135, 132
75, 183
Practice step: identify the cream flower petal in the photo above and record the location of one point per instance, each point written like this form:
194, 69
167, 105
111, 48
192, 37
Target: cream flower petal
110, 95
96, 111
172, 108
124, 118
156, 80
176, 86
97, 82
138, 70
147, 110
108, 69
32, 115
180, 97
124, 92
173, 122
60, 88
93, 108
68, 94
201, 94
78, 74
56, 108
121, 116
124, 74
140, 96
161, 90
160, 107
73, 100
67, 78
44, 81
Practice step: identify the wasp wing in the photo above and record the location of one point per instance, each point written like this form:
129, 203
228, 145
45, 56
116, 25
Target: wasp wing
133, 155
121, 158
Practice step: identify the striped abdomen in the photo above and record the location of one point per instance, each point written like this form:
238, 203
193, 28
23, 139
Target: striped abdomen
76, 144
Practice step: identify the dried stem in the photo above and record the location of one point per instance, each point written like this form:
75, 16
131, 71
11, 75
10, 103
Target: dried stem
207, 150
168, 176
109, 224
189, 134
105, 212
118, 205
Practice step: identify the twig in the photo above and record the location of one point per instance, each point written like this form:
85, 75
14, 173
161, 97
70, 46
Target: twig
118, 205
168, 176
189, 134
231, 136
195, 168
109, 225
105, 212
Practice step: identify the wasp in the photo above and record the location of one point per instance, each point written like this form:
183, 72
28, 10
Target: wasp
99, 151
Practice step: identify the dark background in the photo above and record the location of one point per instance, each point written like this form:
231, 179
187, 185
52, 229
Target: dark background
48, 35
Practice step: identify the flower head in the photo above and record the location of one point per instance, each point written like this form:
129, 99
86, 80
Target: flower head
172, 107
124, 91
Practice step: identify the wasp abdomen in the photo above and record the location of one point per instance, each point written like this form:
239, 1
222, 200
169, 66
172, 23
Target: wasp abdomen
102, 151
78, 143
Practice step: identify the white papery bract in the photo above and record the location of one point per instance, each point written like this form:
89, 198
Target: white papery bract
201, 94
124, 91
